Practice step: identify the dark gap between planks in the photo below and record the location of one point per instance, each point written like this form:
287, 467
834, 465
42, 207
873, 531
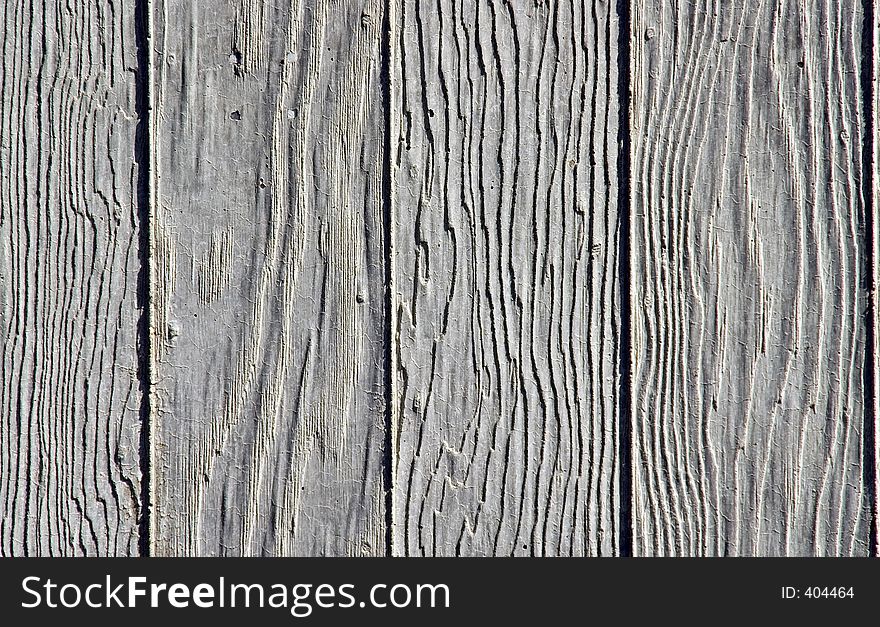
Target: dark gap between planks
387, 252
624, 341
142, 152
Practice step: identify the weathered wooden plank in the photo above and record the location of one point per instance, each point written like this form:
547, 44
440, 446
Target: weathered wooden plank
749, 279
69, 393
268, 279
505, 280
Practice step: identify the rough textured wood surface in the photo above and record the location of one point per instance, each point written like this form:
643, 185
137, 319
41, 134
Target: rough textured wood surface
749, 279
268, 275
69, 397
400, 298
504, 286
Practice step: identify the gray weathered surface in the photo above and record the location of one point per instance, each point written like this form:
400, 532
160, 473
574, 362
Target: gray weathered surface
748, 219
267, 239
504, 286
69, 397
748, 280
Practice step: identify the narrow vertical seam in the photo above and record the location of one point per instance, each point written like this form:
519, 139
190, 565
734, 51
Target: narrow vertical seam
869, 184
142, 156
624, 443
388, 245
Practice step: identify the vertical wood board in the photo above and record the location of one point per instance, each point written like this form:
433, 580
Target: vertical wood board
749, 279
268, 272
70, 400
505, 293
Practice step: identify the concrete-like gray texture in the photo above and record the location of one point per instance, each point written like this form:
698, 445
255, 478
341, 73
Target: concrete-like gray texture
448, 278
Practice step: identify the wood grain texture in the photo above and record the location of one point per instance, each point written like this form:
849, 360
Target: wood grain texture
505, 280
749, 279
268, 277
69, 394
